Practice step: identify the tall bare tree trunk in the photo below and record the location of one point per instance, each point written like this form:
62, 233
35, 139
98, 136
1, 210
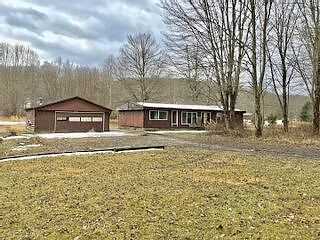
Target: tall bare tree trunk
285, 111
256, 86
316, 102
258, 66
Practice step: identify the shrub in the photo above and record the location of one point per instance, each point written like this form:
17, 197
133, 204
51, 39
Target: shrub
221, 129
12, 132
272, 119
305, 114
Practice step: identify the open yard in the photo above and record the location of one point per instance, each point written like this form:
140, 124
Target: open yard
172, 194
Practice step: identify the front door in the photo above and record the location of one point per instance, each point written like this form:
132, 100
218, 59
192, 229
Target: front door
174, 118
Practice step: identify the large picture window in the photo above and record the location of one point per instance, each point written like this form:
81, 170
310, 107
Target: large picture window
188, 118
158, 115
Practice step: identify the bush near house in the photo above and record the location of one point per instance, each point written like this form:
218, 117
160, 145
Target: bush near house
306, 115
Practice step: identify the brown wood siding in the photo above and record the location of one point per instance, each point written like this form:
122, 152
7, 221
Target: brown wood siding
131, 119
157, 123
107, 121
44, 117
77, 105
44, 121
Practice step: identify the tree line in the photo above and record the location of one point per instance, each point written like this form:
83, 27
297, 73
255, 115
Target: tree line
219, 47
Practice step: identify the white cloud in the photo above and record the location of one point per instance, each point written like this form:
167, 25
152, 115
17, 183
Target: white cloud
82, 31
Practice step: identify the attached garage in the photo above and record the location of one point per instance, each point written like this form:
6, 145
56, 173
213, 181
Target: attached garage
69, 115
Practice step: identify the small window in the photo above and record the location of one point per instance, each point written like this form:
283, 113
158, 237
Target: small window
86, 119
163, 115
74, 119
62, 118
158, 115
153, 115
96, 119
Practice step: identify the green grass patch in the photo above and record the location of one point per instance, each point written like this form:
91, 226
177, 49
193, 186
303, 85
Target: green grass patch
162, 195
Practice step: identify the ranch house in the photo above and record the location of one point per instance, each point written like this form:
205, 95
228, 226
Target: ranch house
165, 116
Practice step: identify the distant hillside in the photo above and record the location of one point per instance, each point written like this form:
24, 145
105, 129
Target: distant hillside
176, 91
271, 104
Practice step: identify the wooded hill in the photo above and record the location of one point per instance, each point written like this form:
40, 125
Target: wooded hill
167, 91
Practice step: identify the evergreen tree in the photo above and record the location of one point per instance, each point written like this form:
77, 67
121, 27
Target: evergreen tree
305, 114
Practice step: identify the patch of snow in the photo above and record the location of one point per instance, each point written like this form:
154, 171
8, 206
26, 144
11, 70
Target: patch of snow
279, 122
82, 135
181, 106
25, 147
178, 131
76, 154
17, 137
11, 123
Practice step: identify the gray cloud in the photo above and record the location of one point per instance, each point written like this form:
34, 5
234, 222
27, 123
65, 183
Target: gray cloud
82, 31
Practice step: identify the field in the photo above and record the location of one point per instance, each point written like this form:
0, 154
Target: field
174, 194
203, 186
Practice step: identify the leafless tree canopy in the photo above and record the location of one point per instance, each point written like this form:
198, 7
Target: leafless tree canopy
218, 32
142, 61
18, 69
284, 19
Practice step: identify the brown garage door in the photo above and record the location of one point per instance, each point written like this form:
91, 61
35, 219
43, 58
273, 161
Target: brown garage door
79, 122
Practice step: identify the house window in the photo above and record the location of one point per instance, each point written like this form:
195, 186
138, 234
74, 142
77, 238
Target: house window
96, 119
163, 115
158, 115
184, 116
86, 119
74, 119
62, 118
188, 118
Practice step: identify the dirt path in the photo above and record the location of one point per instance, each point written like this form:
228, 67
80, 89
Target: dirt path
260, 150
182, 141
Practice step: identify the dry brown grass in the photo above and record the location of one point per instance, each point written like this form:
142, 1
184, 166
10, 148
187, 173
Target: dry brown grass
15, 118
113, 124
174, 194
300, 134
13, 130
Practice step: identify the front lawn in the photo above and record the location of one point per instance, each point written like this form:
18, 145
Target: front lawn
172, 194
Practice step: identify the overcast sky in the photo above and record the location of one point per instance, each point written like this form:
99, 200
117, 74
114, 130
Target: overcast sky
84, 31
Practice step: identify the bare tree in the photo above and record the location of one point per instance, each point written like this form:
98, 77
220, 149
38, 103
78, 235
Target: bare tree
108, 72
257, 53
218, 29
307, 53
140, 65
49, 77
282, 64
18, 75
186, 61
